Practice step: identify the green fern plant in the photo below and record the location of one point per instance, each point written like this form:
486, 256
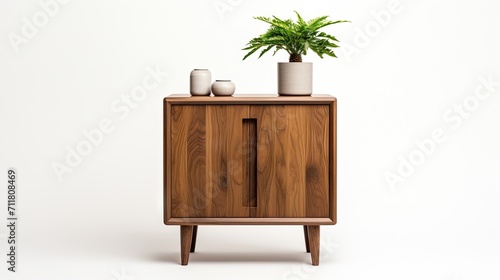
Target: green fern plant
295, 37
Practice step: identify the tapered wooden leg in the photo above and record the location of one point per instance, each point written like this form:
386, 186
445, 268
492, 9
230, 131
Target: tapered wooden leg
186, 237
193, 240
314, 244
306, 237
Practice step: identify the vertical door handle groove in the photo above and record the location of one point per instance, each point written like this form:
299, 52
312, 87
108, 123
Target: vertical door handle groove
250, 164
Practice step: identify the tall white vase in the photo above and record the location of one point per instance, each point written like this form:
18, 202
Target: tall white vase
295, 78
200, 81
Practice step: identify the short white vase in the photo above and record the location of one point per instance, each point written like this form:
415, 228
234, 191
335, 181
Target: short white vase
223, 88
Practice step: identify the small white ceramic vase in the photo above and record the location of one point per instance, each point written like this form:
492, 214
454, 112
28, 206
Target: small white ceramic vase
223, 88
200, 81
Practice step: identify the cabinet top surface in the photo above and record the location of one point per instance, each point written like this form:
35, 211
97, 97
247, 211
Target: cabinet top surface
249, 98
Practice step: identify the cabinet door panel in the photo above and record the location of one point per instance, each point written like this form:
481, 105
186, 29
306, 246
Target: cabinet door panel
207, 153
225, 152
317, 162
212, 172
292, 160
266, 176
188, 172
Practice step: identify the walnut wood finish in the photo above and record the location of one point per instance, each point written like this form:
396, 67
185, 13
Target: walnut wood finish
250, 221
292, 160
193, 239
211, 160
313, 234
206, 147
186, 238
250, 160
306, 237
248, 99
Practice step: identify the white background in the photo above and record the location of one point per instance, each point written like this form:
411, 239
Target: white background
395, 79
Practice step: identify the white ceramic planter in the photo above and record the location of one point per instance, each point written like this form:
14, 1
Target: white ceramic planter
200, 81
295, 78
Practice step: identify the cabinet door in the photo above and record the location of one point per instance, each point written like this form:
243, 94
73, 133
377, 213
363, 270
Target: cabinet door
208, 161
292, 160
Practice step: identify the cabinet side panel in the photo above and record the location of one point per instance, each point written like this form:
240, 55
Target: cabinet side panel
167, 163
317, 162
333, 161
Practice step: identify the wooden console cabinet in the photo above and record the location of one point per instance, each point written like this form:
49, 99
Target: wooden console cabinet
249, 160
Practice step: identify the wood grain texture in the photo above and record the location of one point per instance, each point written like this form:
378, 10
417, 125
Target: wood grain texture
216, 161
266, 181
211, 168
333, 161
189, 195
208, 161
186, 237
237, 154
295, 149
196, 162
306, 237
292, 160
250, 221
248, 99
179, 186
167, 162
193, 239
316, 163
206, 155
314, 238
281, 119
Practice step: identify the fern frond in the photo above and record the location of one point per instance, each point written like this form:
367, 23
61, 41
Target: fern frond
295, 37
